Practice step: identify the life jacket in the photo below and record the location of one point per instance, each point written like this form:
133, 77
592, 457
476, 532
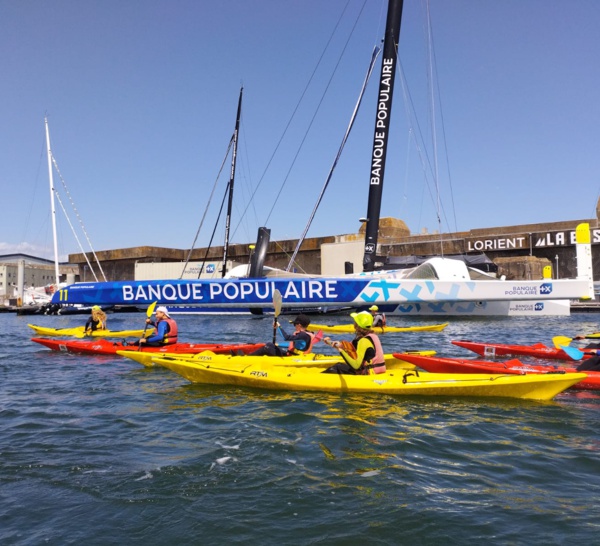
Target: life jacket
171, 335
377, 363
382, 322
293, 351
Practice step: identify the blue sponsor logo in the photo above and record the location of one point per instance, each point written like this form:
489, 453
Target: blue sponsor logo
210, 268
539, 306
546, 288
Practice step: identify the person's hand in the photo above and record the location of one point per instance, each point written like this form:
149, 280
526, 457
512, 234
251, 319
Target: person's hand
579, 337
148, 321
143, 340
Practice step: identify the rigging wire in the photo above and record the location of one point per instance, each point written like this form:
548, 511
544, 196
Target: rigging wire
77, 238
433, 127
78, 217
314, 116
187, 260
374, 56
304, 91
214, 232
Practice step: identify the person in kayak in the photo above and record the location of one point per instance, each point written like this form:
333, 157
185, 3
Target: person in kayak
364, 355
165, 330
591, 364
97, 320
378, 318
300, 341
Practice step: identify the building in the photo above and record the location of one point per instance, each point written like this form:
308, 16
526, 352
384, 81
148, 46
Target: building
37, 272
521, 252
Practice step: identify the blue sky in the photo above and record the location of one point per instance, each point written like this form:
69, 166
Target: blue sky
141, 98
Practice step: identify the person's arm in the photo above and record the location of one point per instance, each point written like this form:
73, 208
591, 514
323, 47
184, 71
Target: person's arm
286, 336
159, 333
364, 344
301, 340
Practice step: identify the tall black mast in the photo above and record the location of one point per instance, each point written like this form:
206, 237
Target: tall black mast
231, 179
382, 127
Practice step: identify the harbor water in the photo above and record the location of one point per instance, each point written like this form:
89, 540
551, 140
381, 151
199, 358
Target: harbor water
100, 450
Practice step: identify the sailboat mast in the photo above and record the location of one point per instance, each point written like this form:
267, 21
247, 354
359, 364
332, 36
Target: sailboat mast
382, 127
231, 180
52, 207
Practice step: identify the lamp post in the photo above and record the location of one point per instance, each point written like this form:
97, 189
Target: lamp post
556, 258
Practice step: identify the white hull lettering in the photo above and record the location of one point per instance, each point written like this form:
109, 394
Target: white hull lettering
230, 292
496, 244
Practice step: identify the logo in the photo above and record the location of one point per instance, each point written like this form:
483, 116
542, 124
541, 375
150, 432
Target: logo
370, 247
546, 288
539, 306
210, 268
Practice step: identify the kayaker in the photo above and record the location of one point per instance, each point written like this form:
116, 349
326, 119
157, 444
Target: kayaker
300, 341
97, 320
165, 330
364, 355
591, 364
378, 318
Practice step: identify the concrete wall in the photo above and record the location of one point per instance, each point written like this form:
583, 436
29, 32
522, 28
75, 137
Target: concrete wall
553, 242
173, 270
335, 255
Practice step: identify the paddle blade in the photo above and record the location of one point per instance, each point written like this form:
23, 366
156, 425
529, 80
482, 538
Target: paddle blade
561, 340
151, 308
277, 302
318, 337
572, 352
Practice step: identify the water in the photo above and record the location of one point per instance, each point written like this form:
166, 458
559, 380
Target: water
99, 450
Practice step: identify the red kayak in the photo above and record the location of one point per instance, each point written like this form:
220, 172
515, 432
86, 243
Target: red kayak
537, 350
436, 364
103, 346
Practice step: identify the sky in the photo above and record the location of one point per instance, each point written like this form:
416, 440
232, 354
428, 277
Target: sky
496, 117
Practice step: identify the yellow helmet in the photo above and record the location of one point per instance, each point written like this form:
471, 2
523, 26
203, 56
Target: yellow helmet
364, 319
96, 308
373, 308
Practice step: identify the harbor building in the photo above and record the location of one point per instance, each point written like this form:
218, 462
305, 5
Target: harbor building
520, 252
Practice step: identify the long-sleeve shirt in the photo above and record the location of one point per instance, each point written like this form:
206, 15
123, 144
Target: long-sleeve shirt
301, 339
365, 352
162, 329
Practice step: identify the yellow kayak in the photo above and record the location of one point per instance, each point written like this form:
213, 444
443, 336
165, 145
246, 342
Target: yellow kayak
349, 328
79, 331
400, 382
311, 360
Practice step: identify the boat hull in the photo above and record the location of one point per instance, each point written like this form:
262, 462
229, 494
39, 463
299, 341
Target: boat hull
102, 346
79, 331
435, 364
537, 350
310, 360
402, 382
349, 328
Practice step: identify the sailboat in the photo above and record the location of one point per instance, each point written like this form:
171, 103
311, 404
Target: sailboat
450, 283
42, 297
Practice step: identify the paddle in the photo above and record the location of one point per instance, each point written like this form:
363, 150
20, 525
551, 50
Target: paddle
149, 312
559, 341
572, 352
277, 308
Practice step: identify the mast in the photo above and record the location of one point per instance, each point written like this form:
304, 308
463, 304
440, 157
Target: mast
231, 180
382, 127
52, 207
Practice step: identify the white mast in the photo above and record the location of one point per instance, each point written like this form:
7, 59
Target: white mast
53, 210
